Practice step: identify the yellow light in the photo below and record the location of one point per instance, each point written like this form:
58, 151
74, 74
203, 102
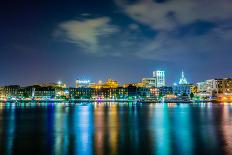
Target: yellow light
224, 98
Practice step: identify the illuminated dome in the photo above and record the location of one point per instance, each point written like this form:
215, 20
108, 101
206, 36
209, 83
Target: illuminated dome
183, 80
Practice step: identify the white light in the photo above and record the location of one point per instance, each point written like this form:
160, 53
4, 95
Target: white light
59, 82
83, 81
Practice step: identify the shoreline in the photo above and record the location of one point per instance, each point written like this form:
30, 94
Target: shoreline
106, 100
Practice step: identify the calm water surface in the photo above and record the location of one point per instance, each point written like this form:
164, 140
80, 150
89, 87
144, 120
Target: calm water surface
116, 129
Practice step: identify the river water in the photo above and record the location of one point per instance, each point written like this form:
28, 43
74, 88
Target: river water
116, 129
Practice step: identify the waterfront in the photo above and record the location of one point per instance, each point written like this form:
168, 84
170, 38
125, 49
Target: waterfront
115, 128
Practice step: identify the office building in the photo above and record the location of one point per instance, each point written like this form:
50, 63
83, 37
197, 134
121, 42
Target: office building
215, 87
160, 78
149, 82
83, 83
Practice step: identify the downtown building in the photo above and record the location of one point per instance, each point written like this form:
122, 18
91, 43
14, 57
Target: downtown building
156, 85
160, 78
83, 83
129, 92
183, 88
10, 91
215, 88
38, 91
108, 90
149, 82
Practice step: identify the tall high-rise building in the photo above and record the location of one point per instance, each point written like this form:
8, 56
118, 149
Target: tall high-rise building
160, 78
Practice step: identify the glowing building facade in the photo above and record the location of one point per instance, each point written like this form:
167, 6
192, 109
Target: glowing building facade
215, 87
83, 83
183, 88
149, 82
183, 80
111, 84
160, 78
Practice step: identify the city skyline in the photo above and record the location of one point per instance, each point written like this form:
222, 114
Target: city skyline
167, 80
157, 74
46, 41
154, 79
116, 77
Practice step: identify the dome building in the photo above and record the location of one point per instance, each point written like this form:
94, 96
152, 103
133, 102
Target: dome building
183, 80
182, 88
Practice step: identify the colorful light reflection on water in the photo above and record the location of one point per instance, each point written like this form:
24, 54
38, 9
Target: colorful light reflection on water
115, 128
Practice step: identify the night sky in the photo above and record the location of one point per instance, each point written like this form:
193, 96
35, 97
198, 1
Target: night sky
125, 40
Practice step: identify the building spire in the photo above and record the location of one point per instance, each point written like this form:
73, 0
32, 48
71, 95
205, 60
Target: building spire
183, 80
182, 75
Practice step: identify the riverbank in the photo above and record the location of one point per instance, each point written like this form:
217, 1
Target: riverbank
105, 100
69, 101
